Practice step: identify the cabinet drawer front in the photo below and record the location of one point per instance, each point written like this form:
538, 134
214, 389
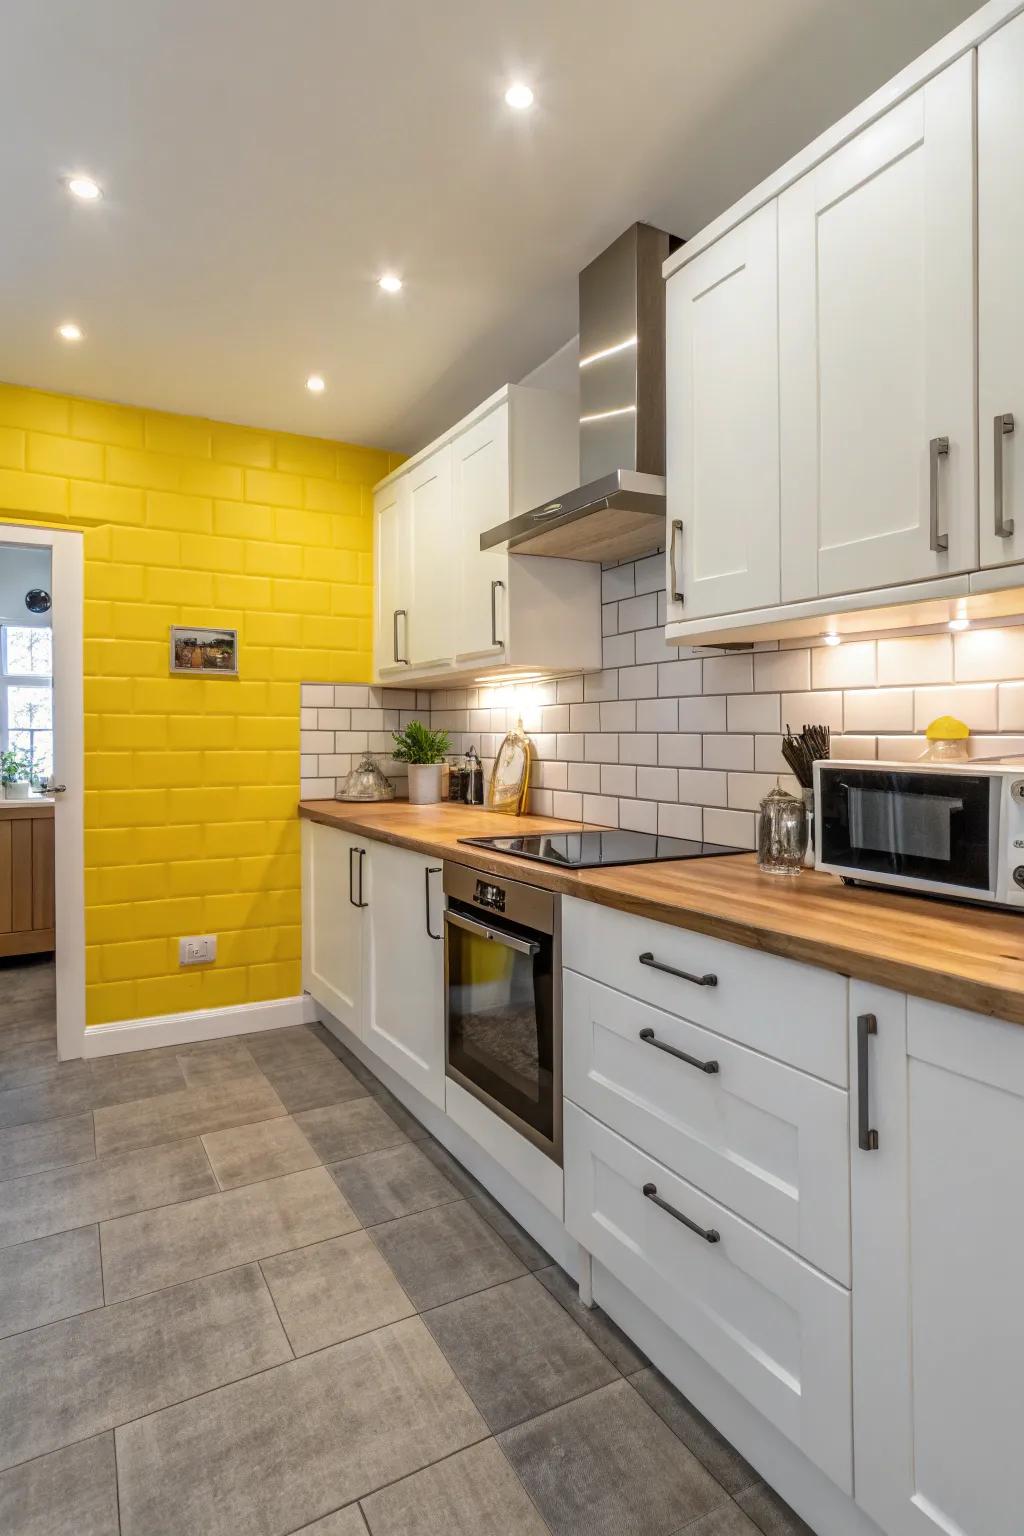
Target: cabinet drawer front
775, 1329
771, 1143
794, 1012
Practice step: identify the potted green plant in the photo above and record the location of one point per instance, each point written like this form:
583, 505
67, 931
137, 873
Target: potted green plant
15, 775
423, 750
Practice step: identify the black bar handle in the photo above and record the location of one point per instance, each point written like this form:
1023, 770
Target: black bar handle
648, 1037
426, 896
362, 855
709, 1234
867, 1139
707, 980
351, 880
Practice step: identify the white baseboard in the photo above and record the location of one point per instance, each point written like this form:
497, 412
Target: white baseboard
185, 1028
310, 1009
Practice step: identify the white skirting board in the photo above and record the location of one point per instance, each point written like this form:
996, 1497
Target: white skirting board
187, 1028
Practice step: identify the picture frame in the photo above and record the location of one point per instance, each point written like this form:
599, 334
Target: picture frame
197, 651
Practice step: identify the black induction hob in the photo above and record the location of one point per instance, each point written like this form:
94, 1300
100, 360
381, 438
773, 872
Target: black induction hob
599, 849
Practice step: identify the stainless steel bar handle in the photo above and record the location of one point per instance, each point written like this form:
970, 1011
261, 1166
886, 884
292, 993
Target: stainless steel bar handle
938, 449
495, 935
675, 591
707, 980
650, 1192
867, 1139
399, 613
649, 1038
1002, 425
495, 587
426, 896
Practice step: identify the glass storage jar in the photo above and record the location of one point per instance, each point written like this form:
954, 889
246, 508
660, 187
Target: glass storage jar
781, 833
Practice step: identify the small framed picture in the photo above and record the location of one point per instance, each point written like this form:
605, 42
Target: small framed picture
202, 651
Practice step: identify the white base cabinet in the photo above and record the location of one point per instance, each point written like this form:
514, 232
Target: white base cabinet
335, 934
938, 1326
405, 1018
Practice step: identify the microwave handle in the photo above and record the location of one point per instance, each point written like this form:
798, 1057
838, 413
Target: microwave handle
496, 935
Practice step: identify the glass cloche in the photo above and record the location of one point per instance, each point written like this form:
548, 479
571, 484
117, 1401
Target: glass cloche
366, 781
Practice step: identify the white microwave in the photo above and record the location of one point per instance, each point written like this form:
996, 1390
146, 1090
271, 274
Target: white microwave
943, 829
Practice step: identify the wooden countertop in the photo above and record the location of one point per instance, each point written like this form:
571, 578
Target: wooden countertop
16, 810
945, 951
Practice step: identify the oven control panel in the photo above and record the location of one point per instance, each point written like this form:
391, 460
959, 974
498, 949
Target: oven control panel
489, 895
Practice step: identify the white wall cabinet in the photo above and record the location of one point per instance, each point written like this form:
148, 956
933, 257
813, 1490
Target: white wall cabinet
447, 609
405, 1016
1001, 312
722, 390
876, 326
335, 936
938, 1249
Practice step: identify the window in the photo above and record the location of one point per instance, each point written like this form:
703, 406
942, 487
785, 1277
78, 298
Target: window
26, 695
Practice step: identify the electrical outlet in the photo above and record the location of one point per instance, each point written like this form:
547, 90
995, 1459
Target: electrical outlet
197, 951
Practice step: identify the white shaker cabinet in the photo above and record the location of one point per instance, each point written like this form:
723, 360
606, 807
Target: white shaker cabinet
877, 349
1001, 310
392, 511
480, 490
722, 420
405, 1017
938, 1251
431, 612
335, 901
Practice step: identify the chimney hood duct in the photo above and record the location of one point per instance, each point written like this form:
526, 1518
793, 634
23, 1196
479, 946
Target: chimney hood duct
618, 513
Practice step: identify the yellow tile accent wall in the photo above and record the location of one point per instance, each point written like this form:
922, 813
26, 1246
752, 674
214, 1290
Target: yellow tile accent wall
191, 783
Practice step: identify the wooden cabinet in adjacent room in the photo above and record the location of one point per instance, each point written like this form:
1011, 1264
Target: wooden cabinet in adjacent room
26, 877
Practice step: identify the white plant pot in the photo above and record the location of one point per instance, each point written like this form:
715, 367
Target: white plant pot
19, 790
424, 783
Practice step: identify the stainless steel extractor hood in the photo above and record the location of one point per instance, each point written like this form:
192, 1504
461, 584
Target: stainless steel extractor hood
618, 513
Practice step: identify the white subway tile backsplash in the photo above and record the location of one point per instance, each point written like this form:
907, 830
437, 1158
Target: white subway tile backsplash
657, 783
728, 674
307, 719
638, 682
551, 775
554, 717
618, 651
601, 748
657, 715
1011, 706
317, 789
782, 671
542, 802
618, 779
800, 709
679, 677
768, 756
915, 659
736, 828
570, 746
640, 747
639, 815
617, 582
679, 751
619, 716
333, 719
650, 573
314, 694
638, 612
850, 665
973, 703
747, 790
753, 712
610, 619
860, 747
567, 805
702, 714
569, 690
350, 696
317, 741
651, 645
584, 717
988, 655
702, 786
601, 809
585, 777
736, 752
680, 821
879, 709
601, 685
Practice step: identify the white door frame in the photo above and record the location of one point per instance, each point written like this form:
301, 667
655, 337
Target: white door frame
66, 558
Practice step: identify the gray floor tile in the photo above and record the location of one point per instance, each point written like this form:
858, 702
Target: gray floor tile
247, 1154
337, 1131
451, 1168
178, 1242
215, 1061
606, 1465
109, 1187
413, 1128
445, 1253
60, 1093
371, 1083
50, 1278
134, 1075
395, 1182
27, 1062
728, 1520
280, 1450
51, 1144
770, 1513
305, 1074
517, 1352
522, 1244
597, 1325
475, 1493
71, 1492
333, 1291
72, 1379
722, 1460
189, 1112
344, 1522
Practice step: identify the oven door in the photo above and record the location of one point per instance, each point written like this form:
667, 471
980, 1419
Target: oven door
928, 830
503, 1025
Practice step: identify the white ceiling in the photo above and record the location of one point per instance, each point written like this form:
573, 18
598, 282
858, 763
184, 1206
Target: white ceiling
265, 160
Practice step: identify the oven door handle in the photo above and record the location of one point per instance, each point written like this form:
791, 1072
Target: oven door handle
496, 935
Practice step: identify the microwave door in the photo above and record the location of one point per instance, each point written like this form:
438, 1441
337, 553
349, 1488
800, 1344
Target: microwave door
931, 830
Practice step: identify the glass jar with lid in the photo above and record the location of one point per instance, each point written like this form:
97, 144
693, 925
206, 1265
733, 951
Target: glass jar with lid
781, 833
366, 781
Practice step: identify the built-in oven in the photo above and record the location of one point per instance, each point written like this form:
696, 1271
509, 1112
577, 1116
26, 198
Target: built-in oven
503, 1014
944, 829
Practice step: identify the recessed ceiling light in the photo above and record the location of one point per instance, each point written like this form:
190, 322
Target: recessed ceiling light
956, 624
85, 188
390, 283
69, 331
316, 384
519, 96
832, 639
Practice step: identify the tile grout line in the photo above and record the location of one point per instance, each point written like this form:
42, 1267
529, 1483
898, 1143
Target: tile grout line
273, 1302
